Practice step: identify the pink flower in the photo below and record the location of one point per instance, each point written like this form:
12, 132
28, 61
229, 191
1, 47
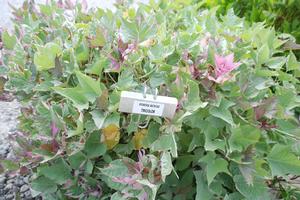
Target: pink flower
54, 129
224, 65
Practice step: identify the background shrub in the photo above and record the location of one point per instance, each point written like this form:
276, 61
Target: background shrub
284, 15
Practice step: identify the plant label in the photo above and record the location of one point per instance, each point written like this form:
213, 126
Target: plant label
133, 102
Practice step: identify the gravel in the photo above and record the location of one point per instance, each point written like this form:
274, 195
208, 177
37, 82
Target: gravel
9, 112
12, 185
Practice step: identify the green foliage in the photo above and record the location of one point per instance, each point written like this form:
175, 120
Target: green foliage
235, 133
284, 15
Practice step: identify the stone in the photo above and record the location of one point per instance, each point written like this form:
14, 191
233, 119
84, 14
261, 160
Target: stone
11, 155
26, 179
2, 179
28, 194
10, 181
19, 182
3, 153
15, 189
8, 187
9, 196
24, 188
12, 130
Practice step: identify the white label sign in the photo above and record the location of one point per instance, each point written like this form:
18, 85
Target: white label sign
135, 102
148, 108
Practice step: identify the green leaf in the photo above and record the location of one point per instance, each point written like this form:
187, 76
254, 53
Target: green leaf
116, 168
183, 162
44, 58
222, 111
159, 52
153, 188
128, 31
44, 61
166, 164
79, 127
202, 187
152, 134
76, 95
214, 166
276, 62
263, 54
126, 81
117, 196
44, 185
131, 31
59, 171
197, 139
265, 72
212, 142
90, 87
98, 117
292, 63
9, 41
93, 146
98, 40
82, 53
164, 143
87, 91
193, 102
147, 29
242, 137
257, 191
282, 161
98, 66
77, 159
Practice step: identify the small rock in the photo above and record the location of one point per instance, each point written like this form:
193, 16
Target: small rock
8, 187
11, 155
24, 188
10, 181
9, 197
19, 182
28, 194
4, 146
3, 153
2, 185
2, 179
26, 179
15, 189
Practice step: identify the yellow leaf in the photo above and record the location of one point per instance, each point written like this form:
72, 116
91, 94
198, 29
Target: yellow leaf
111, 136
138, 138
